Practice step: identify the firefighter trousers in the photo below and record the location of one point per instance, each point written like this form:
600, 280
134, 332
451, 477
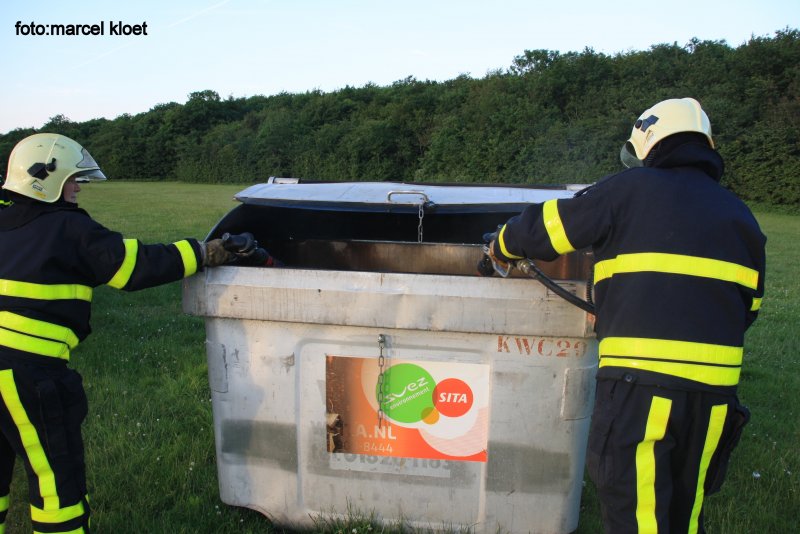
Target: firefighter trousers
41, 411
655, 453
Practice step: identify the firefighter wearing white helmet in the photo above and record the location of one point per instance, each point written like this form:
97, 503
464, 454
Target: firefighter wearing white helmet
670, 117
54, 254
4, 202
40, 164
678, 278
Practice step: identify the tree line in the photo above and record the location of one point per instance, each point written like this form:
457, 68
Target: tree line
548, 118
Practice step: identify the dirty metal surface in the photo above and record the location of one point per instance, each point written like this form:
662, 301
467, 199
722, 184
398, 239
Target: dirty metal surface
417, 258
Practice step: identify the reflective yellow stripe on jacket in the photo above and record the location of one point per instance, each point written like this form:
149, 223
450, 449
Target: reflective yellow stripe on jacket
125, 270
676, 264
42, 329
188, 256
39, 337
501, 240
12, 288
679, 264
716, 365
555, 228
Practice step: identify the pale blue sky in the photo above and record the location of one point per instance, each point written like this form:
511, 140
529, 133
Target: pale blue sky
249, 47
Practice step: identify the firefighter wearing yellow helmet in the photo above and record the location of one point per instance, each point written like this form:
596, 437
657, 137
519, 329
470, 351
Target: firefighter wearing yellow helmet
679, 277
54, 254
670, 117
56, 159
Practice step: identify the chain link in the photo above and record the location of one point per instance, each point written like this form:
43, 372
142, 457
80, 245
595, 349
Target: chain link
381, 384
421, 216
424, 203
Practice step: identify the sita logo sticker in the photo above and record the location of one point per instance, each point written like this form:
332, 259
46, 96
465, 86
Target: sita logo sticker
411, 395
452, 397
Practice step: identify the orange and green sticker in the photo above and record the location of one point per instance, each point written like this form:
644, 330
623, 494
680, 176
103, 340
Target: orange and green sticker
430, 410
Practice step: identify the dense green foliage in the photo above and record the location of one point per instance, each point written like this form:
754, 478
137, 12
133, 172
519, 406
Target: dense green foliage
549, 118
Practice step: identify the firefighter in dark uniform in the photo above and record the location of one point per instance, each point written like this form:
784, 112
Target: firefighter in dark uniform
679, 277
4, 202
54, 254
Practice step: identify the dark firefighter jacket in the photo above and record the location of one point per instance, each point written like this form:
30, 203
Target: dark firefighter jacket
53, 255
679, 273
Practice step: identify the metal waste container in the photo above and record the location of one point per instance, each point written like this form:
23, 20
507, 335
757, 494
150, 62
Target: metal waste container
376, 373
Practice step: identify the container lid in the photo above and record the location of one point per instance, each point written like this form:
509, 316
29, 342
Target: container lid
388, 196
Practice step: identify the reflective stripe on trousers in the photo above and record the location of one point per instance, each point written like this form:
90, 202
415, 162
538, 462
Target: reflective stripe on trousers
653, 454
41, 411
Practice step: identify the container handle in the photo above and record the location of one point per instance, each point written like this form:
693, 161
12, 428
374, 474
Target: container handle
427, 202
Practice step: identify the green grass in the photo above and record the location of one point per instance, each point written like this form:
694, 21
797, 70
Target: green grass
149, 434
762, 493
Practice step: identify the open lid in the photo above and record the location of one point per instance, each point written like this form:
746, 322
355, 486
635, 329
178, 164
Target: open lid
397, 196
386, 226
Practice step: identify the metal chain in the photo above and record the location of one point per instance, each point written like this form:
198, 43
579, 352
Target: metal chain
421, 216
381, 385
424, 203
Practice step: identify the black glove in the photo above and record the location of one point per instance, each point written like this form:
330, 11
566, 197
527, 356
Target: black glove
242, 245
247, 252
485, 267
490, 263
238, 249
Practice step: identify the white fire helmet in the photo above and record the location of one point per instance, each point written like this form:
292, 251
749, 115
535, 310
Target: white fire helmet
40, 164
666, 118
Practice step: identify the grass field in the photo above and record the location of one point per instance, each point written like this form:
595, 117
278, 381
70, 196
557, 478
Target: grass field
149, 434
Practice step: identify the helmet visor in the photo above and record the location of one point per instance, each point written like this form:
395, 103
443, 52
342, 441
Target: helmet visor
87, 161
628, 156
92, 175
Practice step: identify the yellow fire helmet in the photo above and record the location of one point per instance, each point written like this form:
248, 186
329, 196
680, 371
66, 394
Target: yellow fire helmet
40, 164
666, 118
